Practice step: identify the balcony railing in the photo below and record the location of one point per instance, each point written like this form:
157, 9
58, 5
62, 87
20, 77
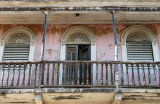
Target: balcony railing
79, 74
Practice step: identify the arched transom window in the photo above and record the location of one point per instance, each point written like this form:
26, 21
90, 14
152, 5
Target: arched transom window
78, 38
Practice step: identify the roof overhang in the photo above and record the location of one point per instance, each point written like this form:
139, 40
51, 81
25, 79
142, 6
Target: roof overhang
89, 12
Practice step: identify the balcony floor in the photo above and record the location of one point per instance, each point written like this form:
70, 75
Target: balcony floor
78, 96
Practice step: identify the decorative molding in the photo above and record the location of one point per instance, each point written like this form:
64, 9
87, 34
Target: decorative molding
21, 38
137, 37
87, 33
18, 30
78, 38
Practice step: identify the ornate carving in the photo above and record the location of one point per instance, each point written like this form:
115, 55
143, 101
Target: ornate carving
137, 37
19, 38
78, 38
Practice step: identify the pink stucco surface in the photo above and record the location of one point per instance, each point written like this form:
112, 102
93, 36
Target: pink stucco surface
103, 34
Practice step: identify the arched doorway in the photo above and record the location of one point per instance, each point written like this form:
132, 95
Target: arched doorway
78, 44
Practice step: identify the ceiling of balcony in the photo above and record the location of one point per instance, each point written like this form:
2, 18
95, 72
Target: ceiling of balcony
85, 17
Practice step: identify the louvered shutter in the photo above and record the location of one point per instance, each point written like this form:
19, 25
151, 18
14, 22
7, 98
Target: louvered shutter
17, 48
16, 52
139, 51
139, 47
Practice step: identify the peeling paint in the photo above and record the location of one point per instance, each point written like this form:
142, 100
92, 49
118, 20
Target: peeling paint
68, 97
153, 28
49, 51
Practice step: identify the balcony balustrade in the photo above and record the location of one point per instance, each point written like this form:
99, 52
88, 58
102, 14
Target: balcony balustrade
79, 74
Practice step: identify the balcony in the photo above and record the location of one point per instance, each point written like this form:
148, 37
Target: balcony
79, 74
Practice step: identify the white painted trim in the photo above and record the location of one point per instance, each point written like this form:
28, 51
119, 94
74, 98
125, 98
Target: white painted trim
14, 30
139, 28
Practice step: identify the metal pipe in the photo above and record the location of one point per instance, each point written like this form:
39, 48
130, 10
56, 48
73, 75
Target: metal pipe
42, 49
116, 52
44, 36
115, 36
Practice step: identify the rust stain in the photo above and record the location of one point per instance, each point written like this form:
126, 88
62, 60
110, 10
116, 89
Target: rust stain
35, 28
110, 45
68, 97
98, 30
5, 27
153, 28
50, 51
59, 29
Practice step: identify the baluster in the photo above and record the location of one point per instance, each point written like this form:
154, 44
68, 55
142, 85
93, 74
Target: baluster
14, 66
122, 74
96, 72
18, 78
133, 74
102, 73
48, 73
127, 74
58, 73
138, 74
73, 73
87, 74
154, 76
9, 65
24, 74
36, 75
144, 80
91, 77
53, 73
68, 77
43, 71
79, 73
149, 77
83, 74
106, 73
29, 76
112, 82
63, 74
158, 74
3, 74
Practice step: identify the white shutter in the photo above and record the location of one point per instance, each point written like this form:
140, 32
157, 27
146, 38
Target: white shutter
139, 52
16, 52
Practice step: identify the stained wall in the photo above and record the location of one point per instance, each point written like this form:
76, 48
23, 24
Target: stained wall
103, 33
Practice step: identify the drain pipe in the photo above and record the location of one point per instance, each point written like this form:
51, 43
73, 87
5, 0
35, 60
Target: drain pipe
42, 50
116, 51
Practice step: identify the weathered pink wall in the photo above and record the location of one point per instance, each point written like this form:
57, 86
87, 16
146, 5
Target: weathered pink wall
103, 34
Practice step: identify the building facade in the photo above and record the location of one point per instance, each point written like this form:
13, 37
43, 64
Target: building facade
79, 60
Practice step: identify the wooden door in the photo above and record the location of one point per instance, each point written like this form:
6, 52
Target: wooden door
84, 55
